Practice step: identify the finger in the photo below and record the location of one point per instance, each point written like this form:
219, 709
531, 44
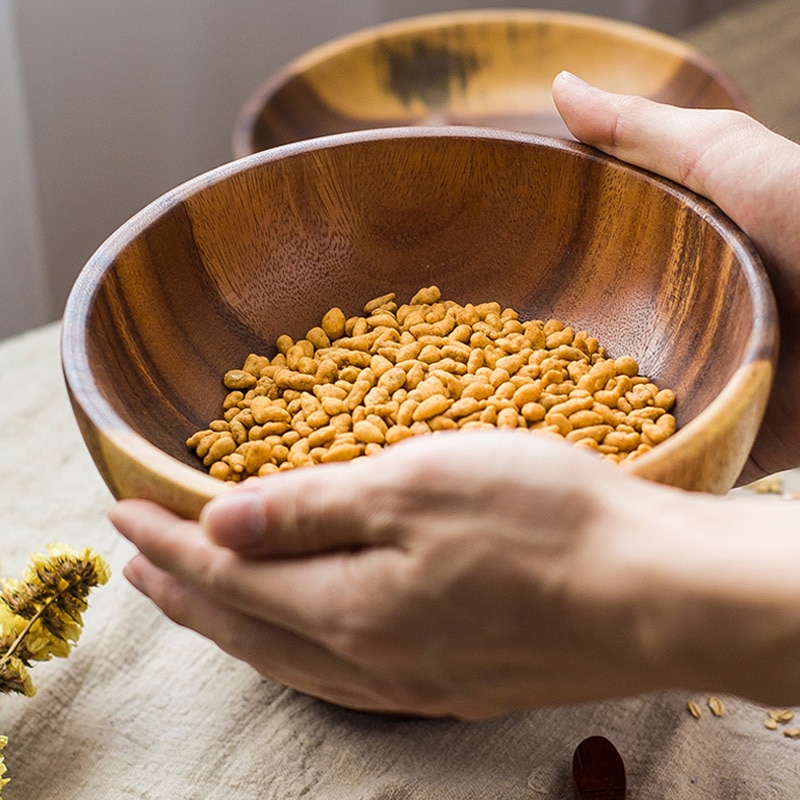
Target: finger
314, 597
275, 653
377, 501
750, 172
171, 542
685, 145
722, 154
298, 512
357, 504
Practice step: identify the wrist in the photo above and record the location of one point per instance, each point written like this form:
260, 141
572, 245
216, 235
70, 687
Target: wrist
721, 596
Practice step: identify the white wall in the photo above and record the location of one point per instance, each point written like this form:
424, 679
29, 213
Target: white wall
127, 99
114, 102
24, 286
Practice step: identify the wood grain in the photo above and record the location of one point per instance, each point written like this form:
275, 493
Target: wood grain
221, 266
491, 68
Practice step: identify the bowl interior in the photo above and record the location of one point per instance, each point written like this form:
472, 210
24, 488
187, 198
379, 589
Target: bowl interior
223, 265
492, 68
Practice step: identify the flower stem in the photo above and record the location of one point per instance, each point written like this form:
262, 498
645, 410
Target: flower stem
9, 653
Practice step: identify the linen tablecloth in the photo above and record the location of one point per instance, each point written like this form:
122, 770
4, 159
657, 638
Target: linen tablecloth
144, 709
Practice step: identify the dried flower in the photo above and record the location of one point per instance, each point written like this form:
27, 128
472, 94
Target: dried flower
41, 615
3, 780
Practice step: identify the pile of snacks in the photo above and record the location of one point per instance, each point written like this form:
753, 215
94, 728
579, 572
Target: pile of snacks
353, 385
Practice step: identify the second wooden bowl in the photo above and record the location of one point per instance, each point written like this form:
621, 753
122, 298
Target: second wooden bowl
491, 68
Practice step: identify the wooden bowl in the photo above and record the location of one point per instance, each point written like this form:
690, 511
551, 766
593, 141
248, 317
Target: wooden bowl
222, 265
491, 68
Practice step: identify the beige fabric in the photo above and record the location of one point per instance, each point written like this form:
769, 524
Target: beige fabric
145, 710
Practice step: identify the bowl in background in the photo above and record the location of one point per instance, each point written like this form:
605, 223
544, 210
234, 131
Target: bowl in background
222, 265
489, 68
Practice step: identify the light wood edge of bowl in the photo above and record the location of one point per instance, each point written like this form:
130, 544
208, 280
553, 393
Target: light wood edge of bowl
251, 108
693, 459
133, 468
709, 452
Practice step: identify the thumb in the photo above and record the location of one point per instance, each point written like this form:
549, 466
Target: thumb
686, 145
298, 512
750, 172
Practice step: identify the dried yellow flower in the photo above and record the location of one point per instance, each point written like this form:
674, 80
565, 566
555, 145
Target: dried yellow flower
3, 779
10, 624
15, 677
41, 615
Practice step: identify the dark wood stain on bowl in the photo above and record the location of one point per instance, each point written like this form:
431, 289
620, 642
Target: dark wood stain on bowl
417, 70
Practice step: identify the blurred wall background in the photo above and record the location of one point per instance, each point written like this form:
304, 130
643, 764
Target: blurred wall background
105, 106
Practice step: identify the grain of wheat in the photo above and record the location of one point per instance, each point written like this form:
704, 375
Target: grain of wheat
716, 706
354, 385
694, 709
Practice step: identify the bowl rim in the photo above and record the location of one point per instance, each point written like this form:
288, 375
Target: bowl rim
80, 379
254, 103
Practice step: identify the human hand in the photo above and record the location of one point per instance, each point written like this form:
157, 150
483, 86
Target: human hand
753, 175
472, 574
464, 574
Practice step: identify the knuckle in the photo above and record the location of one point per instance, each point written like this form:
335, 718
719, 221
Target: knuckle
215, 571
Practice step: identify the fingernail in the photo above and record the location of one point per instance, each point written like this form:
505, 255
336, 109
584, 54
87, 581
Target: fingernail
569, 77
131, 574
235, 519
